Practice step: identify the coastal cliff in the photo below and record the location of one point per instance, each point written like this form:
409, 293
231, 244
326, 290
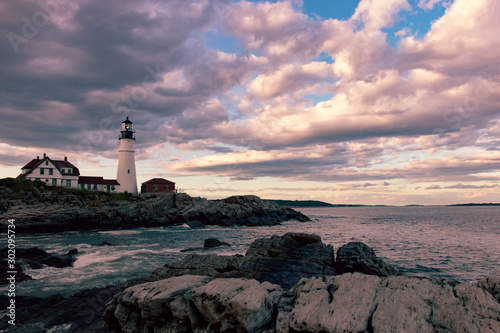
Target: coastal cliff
38, 208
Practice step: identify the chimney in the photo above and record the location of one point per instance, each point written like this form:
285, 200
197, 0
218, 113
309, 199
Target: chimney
65, 159
44, 155
38, 157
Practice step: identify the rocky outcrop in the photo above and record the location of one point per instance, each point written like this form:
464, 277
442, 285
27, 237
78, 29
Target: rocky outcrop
194, 304
47, 209
346, 303
248, 210
282, 284
358, 257
364, 303
209, 243
281, 260
214, 242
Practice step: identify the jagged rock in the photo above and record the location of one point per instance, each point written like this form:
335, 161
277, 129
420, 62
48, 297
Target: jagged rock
346, 303
491, 285
363, 303
281, 260
296, 246
44, 210
194, 304
358, 257
214, 242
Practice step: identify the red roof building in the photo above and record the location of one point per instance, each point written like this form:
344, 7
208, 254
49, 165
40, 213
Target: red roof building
157, 185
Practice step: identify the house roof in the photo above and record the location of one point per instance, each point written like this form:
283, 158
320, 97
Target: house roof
158, 181
66, 164
96, 180
34, 163
89, 180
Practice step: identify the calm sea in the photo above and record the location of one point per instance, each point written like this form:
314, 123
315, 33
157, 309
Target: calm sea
450, 242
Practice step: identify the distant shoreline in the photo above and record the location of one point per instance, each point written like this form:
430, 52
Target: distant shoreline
477, 204
320, 204
316, 203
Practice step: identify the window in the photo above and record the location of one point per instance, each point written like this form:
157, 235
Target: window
88, 186
46, 162
128, 171
63, 170
68, 183
82, 186
51, 171
37, 179
156, 187
94, 187
68, 171
42, 171
54, 182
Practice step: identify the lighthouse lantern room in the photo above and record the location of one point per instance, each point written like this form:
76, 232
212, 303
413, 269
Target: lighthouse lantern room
126, 175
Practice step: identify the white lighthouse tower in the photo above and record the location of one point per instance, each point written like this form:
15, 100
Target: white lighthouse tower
126, 163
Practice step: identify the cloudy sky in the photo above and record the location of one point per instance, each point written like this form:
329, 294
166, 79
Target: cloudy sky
371, 101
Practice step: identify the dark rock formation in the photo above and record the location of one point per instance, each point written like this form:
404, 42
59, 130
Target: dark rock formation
209, 243
491, 285
35, 258
358, 257
46, 209
345, 303
280, 260
214, 242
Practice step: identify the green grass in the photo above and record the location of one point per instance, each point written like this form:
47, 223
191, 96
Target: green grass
23, 185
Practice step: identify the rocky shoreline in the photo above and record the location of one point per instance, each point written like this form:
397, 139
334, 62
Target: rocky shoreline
289, 283
45, 209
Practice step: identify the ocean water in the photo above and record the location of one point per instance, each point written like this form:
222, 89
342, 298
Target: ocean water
450, 242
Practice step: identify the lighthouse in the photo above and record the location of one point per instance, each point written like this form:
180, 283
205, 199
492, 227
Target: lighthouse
126, 162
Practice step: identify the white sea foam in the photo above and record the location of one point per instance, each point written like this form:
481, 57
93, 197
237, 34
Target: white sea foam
120, 232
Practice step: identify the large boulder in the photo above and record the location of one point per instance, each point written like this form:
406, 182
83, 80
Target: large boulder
281, 260
358, 257
194, 304
364, 303
296, 246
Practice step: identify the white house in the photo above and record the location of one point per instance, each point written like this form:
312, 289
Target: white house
65, 174
52, 172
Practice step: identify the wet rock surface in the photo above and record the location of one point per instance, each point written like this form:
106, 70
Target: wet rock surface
33, 258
